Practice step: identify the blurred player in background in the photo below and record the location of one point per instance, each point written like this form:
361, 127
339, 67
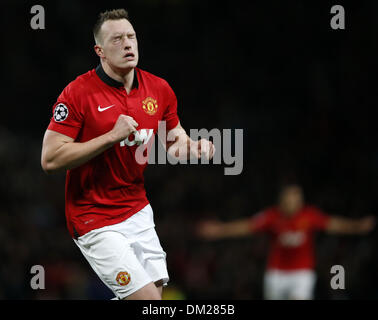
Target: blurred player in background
290, 268
98, 122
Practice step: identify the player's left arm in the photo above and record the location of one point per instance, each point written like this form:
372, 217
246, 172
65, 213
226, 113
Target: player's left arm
180, 146
341, 225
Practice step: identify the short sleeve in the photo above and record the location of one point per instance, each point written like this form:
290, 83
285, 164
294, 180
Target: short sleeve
318, 219
66, 117
262, 221
170, 114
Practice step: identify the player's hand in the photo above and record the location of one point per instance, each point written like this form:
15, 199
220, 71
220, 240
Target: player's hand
367, 224
209, 230
124, 126
202, 149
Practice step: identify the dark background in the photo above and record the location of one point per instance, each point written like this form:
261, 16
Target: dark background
304, 94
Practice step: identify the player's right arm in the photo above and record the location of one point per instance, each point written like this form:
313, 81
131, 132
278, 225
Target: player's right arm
260, 222
61, 152
213, 230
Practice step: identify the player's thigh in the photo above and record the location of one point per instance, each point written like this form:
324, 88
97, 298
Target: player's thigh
274, 286
159, 285
303, 285
148, 292
113, 259
152, 291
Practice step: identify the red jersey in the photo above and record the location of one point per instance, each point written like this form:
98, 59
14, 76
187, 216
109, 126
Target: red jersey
292, 245
110, 187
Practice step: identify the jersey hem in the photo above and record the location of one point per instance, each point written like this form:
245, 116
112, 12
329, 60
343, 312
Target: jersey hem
72, 227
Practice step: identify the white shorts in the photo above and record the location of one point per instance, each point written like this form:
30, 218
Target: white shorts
128, 255
285, 285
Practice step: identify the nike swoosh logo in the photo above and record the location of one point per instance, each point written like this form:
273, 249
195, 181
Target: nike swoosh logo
106, 108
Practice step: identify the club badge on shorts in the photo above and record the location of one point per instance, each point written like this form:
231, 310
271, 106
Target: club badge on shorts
149, 106
60, 112
123, 278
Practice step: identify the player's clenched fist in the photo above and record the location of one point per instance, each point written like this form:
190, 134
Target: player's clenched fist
202, 148
124, 126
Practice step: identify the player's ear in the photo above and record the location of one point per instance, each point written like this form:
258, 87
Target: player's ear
99, 51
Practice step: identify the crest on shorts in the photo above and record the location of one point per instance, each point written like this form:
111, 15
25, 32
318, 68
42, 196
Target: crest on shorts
123, 278
60, 112
149, 106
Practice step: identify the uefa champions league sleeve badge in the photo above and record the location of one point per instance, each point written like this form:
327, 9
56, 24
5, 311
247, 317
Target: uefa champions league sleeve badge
60, 112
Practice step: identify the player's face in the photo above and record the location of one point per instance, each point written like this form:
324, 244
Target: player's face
119, 44
291, 200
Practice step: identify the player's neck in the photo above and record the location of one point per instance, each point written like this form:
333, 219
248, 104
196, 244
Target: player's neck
125, 77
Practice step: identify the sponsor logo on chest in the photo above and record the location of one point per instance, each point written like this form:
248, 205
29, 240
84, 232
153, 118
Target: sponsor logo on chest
292, 238
141, 136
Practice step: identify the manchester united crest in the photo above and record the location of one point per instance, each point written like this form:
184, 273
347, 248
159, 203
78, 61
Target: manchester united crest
123, 278
149, 106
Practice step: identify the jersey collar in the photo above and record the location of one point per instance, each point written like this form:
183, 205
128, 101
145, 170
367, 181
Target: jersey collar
110, 81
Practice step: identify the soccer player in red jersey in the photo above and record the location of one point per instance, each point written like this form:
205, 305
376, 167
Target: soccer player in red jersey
98, 122
291, 224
